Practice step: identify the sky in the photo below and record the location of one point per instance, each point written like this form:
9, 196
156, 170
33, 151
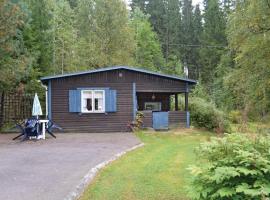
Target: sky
194, 2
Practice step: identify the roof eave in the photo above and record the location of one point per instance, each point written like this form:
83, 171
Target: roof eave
46, 78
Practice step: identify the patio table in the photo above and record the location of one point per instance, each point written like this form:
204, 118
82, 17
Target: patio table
43, 123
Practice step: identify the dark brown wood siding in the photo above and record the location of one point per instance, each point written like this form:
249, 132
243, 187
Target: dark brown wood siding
177, 118
150, 83
120, 80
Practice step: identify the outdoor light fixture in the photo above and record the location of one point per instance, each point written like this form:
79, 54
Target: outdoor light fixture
120, 75
153, 97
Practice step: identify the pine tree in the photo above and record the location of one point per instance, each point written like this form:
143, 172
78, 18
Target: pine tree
73, 3
197, 38
172, 34
138, 4
228, 6
213, 40
39, 36
192, 35
157, 11
165, 16
197, 24
148, 50
187, 34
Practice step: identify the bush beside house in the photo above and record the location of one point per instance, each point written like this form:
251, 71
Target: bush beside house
236, 166
205, 114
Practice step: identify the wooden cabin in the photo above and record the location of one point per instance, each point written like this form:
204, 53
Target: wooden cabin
107, 99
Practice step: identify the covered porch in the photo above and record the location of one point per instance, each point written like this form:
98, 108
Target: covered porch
162, 109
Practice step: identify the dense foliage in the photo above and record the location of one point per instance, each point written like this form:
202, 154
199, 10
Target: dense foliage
52, 37
206, 115
234, 167
15, 59
148, 52
224, 43
251, 41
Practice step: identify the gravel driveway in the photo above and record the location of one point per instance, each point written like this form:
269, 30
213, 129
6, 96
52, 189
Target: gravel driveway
52, 168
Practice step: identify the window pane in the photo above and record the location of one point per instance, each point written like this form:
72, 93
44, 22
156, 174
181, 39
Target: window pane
87, 101
98, 94
87, 94
154, 106
89, 104
99, 97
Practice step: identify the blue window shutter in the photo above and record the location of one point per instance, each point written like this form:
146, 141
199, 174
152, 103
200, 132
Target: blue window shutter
110, 100
74, 100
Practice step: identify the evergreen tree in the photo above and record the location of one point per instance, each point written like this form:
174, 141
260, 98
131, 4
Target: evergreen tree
148, 50
138, 4
172, 32
197, 38
165, 16
187, 35
39, 36
73, 3
213, 40
228, 6
157, 11
197, 25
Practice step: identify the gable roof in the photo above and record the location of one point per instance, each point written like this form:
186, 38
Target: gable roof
46, 78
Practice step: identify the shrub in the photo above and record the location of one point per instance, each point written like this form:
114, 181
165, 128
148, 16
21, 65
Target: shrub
234, 167
205, 114
235, 116
137, 124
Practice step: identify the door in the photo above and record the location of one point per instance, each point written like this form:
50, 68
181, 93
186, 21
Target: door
160, 120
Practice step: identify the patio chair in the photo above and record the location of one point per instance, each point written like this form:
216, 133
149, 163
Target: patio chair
29, 128
51, 125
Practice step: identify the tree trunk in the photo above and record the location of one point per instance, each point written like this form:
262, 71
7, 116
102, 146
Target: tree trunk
245, 117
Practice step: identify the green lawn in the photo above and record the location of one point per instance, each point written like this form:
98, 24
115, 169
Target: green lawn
155, 171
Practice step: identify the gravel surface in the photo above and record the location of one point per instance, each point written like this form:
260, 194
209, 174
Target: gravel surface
52, 168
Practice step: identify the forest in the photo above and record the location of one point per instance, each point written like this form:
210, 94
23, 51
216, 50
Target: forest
223, 43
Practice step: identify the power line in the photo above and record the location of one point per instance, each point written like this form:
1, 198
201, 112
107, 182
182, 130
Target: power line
196, 45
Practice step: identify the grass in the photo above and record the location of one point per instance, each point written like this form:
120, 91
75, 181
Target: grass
252, 127
155, 171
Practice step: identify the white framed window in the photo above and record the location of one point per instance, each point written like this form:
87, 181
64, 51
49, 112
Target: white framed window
154, 106
92, 101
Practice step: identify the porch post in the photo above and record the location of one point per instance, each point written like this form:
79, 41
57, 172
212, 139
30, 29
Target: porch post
134, 97
176, 102
49, 100
186, 101
186, 107
186, 97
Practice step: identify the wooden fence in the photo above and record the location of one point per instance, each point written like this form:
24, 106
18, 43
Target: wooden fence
14, 107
